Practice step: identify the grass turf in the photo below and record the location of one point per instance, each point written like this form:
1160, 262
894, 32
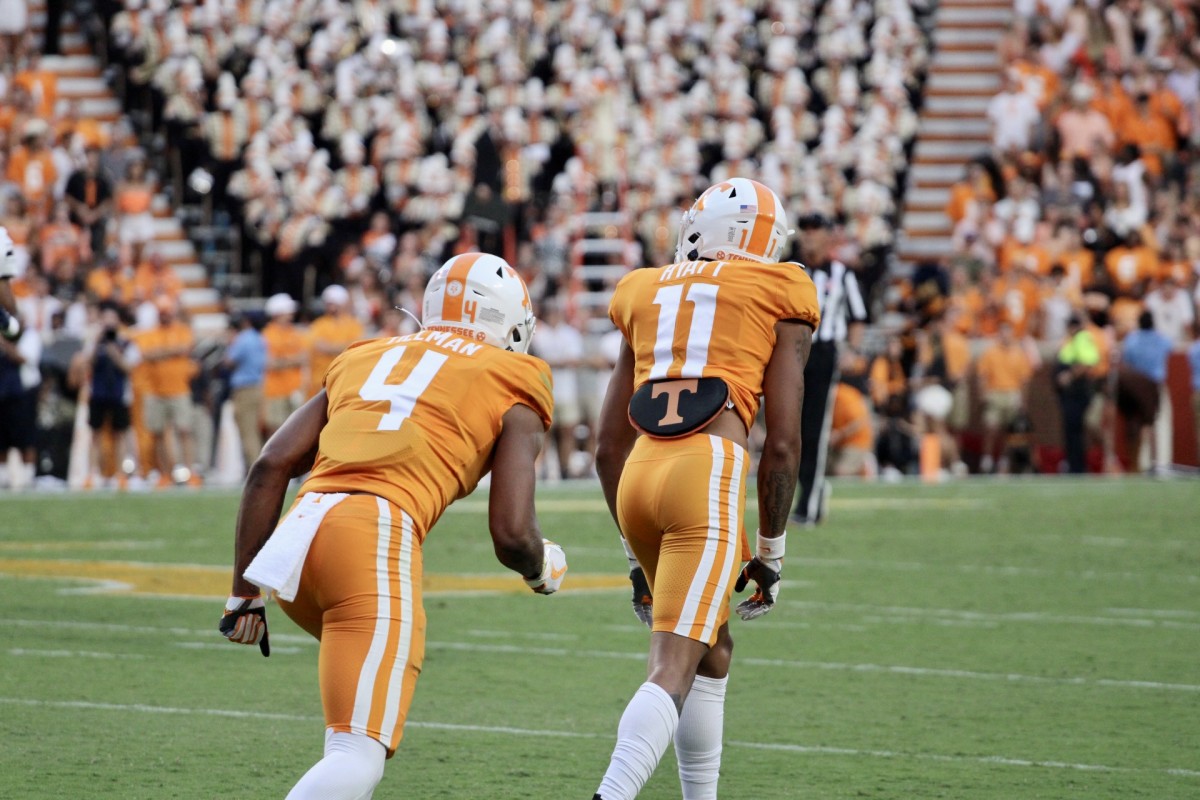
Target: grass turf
1024, 639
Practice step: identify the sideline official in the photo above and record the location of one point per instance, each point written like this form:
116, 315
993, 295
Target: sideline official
842, 307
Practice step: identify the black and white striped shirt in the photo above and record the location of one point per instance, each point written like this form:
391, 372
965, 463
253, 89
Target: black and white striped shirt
840, 300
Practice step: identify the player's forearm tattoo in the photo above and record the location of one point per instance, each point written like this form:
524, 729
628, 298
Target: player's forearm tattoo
776, 493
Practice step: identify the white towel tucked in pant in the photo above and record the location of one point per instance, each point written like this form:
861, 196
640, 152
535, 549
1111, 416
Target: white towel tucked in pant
278, 565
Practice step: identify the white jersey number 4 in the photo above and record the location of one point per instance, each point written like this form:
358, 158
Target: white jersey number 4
669, 299
404, 395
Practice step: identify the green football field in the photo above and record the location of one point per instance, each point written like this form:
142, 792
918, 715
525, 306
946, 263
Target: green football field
1024, 639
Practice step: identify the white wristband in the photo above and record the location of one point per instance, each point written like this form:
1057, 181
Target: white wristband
633, 562
768, 548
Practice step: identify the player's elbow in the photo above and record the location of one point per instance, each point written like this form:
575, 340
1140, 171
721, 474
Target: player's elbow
609, 456
271, 461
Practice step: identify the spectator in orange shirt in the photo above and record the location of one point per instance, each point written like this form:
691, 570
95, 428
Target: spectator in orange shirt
894, 451
964, 195
1165, 103
1004, 370
41, 84
1175, 264
1017, 299
956, 353
62, 242
1131, 266
15, 110
91, 132
31, 168
942, 360
167, 351
330, 334
287, 357
112, 281
155, 278
1076, 260
1112, 100
1152, 133
889, 377
851, 435
1021, 252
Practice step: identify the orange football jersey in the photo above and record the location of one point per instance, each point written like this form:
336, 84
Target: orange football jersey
699, 319
414, 419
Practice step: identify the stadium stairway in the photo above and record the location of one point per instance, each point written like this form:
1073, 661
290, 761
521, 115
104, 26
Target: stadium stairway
80, 80
964, 75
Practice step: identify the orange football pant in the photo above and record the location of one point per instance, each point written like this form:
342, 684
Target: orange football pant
680, 504
360, 595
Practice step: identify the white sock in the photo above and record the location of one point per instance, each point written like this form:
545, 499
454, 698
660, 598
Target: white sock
351, 769
643, 735
698, 738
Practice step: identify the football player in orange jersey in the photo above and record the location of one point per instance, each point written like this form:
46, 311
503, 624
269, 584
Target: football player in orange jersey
704, 339
394, 445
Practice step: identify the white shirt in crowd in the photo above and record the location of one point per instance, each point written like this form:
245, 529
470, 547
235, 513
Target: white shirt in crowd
1013, 115
1173, 313
557, 345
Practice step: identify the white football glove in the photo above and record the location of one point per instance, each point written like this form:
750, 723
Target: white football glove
765, 570
245, 622
554, 567
643, 600
8, 257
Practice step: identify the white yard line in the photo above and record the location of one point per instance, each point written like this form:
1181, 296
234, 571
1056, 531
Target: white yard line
64, 546
142, 708
900, 614
993, 570
1000, 760
894, 669
22, 651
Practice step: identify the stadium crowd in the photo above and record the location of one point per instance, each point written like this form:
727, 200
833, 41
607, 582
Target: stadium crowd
1082, 218
360, 144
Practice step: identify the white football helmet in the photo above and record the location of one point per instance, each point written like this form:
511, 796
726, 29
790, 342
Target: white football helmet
735, 219
481, 295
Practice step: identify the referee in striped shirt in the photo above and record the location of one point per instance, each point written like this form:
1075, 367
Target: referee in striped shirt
841, 308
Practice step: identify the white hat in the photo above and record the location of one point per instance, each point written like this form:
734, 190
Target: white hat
335, 294
279, 304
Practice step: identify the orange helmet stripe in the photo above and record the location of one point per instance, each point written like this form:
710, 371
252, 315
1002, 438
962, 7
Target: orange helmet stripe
452, 305
764, 222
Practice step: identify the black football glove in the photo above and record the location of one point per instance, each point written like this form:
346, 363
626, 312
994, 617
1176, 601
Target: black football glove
245, 622
643, 601
765, 570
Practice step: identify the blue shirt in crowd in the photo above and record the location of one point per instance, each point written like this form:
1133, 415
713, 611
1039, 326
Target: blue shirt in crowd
248, 352
1194, 361
1147, 353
